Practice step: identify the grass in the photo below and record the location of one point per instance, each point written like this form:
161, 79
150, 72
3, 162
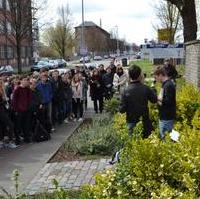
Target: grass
146, 66
71, 194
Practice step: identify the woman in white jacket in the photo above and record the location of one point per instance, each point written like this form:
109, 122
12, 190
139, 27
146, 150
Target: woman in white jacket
77, 99
120, 80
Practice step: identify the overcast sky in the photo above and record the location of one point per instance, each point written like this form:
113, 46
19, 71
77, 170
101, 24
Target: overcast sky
134, 18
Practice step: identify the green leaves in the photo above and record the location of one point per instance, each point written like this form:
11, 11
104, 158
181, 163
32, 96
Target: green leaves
154, 169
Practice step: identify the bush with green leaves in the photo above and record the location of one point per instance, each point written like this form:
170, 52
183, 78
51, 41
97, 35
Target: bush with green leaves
152, 169
112, 106
99, 139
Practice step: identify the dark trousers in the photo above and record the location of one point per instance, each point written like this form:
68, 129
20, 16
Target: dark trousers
98, 104
77, 105
6, 125
67, 105
23, 125
57, 112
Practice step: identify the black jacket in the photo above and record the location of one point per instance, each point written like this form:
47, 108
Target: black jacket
134, 101
167, 111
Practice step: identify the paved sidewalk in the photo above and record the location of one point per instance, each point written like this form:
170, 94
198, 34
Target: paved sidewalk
30, 158
70, 175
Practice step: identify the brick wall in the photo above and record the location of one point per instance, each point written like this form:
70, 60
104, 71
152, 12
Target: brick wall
193, 62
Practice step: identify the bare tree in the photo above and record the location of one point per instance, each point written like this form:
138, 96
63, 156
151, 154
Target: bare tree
170, 19
21, 18
187, 9
61, 37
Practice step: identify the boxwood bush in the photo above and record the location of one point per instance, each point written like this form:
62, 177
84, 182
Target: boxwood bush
152, 169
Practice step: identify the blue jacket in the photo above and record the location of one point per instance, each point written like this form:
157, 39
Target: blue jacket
46, 92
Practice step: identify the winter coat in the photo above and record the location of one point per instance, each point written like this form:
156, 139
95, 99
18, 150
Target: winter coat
120, 82
96, 87
46, 91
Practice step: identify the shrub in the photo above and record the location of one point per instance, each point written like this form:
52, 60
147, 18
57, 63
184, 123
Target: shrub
112, 106
154, 169
99, 139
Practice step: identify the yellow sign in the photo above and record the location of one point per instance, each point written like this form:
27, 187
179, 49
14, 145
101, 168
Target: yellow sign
165, 35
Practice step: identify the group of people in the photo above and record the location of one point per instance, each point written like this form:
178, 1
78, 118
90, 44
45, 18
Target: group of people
32, 105
135, 99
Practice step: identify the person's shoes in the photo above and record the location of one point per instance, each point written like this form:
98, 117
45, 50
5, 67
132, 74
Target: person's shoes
53, 130
1, 145
80, 119
12, 145
66, 121
115, 159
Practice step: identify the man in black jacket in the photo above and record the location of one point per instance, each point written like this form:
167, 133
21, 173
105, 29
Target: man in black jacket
134, 102
166, 101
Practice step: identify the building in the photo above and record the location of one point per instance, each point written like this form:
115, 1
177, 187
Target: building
157, 53
96, 38
13, 48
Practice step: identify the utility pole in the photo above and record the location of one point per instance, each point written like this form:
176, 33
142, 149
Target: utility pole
117, 38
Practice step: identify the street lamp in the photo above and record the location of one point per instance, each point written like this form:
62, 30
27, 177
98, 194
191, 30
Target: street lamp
83, 49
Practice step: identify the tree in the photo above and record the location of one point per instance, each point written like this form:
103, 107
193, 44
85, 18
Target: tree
170, 20
21, 18
61, 37
187, 9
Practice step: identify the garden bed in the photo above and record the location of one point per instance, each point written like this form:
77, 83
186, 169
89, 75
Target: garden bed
92, 140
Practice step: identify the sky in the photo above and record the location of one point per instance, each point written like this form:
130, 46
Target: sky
134, 18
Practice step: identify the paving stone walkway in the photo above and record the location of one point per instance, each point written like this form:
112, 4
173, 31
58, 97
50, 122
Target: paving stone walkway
70, 175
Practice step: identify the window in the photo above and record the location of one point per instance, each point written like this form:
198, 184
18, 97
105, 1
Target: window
2, 52
9, 28
29, 51
23, 51
10, 52
2, 27
1, 3
7, 5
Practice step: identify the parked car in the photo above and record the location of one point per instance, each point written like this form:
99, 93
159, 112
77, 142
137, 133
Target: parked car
61, 70
91, 66
44, 59
53, 64
61, 63
39, 66
97, 58
6, 70
105, 56
87, 59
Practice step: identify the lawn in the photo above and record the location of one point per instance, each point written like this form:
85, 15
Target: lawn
146, 66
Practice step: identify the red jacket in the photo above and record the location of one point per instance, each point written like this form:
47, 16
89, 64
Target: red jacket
22, 98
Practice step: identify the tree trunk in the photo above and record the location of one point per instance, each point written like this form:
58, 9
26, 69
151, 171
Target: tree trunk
19, 66
187, 9
189, 21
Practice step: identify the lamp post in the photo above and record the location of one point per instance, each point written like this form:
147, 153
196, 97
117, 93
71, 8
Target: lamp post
83, 50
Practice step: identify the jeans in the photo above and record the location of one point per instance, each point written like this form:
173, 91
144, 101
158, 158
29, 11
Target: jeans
131, 126
165, 126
